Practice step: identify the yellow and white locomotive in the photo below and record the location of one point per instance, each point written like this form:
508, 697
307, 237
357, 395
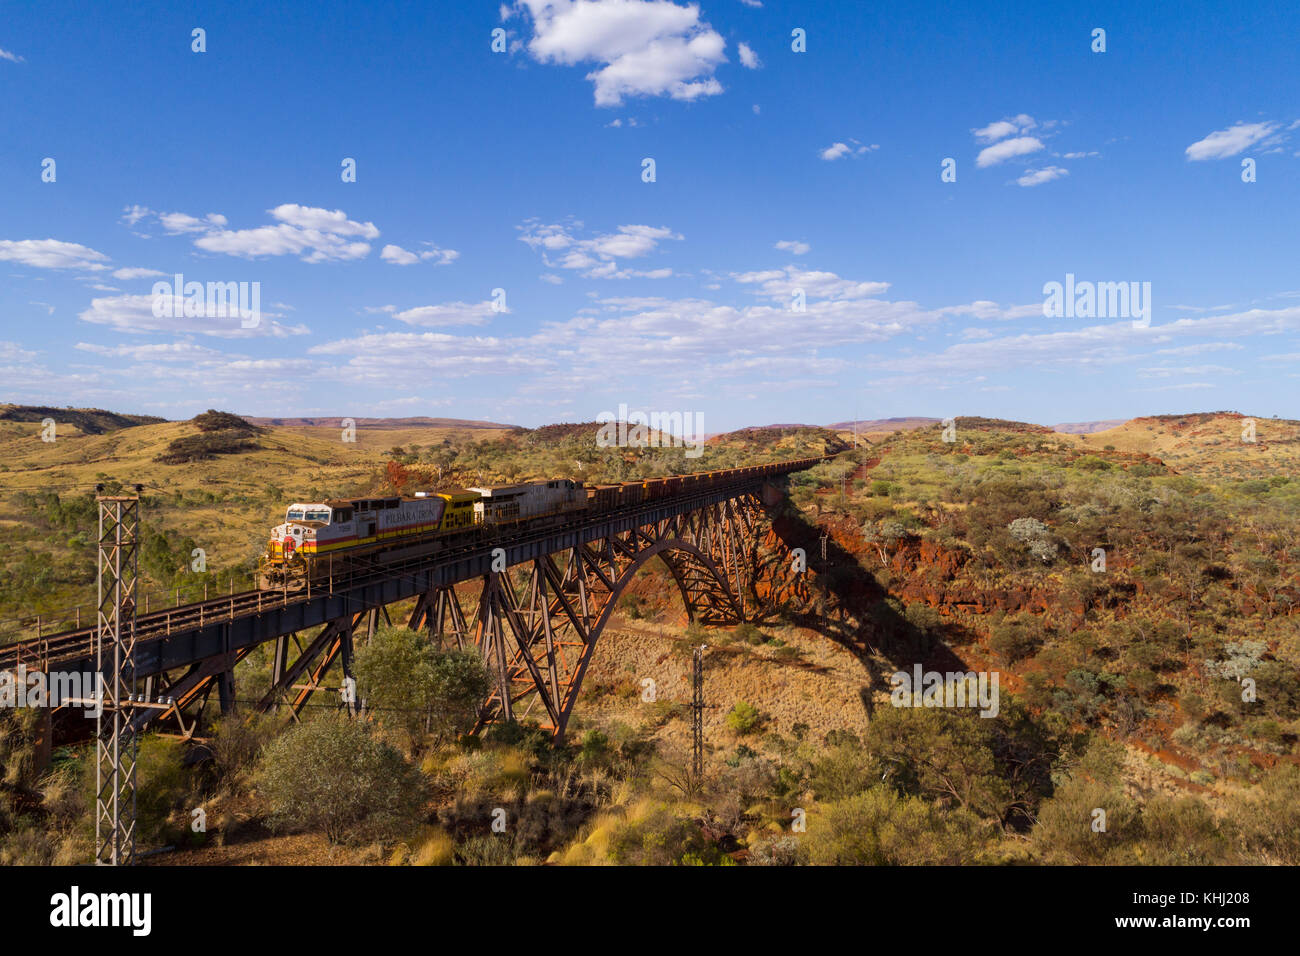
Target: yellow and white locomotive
317, 540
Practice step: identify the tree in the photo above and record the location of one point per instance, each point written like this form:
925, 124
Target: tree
884, 537
332, 774
1036, 536
417, 688
460, 684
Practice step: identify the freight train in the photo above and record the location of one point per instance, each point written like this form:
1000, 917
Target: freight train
340, 535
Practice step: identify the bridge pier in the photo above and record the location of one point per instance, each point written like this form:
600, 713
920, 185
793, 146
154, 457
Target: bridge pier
279, 664
226, 692
44, 742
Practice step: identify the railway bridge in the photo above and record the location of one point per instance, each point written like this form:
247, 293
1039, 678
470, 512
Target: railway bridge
544, 597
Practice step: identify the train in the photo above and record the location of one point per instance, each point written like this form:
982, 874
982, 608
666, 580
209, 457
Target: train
340, 535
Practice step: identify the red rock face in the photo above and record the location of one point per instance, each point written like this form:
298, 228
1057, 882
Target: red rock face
938, 562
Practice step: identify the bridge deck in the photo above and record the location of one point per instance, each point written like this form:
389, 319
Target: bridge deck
180, 636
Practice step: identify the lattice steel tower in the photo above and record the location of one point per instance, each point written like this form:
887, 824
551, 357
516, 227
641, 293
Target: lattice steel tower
115, 806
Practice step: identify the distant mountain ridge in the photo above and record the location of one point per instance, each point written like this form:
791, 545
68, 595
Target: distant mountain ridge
908, 423
1087, 428
413, 422
91, 421
886, 424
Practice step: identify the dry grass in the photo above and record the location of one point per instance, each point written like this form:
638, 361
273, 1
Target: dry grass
290, 459
1205, 448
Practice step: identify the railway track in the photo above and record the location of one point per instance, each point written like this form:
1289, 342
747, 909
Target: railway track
78, 644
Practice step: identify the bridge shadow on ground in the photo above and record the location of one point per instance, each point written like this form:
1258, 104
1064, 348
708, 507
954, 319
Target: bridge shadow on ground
849, 606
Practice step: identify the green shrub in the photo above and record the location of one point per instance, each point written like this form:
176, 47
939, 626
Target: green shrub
1015, 638
743, 718
881, 828
333, 775
1092, 463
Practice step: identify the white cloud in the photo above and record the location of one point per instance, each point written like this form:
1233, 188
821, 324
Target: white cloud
794, 247
11, 57
448, 313
1004, 127
313, 218
1097, 346
695, 337
135, 314
402, 257
837, 150
641, 47
1178, 388
995, 131
1231, 141
1036, 177
748, 57
597, 257
379, 358
167, 352
133, 214
177, 223
52, 254
398, 256
1201, 348
312, 234
781, 284
1165, 371
13, 352
985, 310
1001, 152
135, 273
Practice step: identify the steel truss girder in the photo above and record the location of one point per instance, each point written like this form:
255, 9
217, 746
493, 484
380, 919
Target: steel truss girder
192, 686
439, 612
332, 642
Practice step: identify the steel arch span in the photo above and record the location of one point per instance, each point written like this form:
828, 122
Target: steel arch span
537, 624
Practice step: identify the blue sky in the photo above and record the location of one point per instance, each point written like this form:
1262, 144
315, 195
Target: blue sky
775, 171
